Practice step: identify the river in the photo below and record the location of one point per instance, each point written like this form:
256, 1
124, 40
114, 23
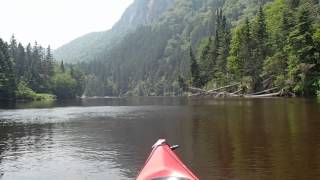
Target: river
100, 139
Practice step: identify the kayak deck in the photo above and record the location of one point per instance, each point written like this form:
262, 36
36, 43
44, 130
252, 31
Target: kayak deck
163, 164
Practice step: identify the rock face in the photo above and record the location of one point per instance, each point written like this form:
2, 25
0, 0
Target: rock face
86, 48
142, 12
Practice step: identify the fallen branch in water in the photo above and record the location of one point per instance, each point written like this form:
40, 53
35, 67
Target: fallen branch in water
196, 90
264, 91
195, 95
236, 92
217, 89
227, 94
263, 95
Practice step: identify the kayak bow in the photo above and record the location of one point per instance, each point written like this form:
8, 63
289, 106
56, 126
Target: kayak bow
164, 164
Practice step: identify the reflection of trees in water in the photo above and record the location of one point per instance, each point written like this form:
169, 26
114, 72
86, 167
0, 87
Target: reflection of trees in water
27, 104
257, 139
222, 139
128, 140
16, 137
103, 139
134, 101
249, 139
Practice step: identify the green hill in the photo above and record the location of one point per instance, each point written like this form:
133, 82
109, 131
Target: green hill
152, 55
90, 46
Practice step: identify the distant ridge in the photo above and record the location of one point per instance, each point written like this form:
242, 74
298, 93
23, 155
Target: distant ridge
149, 48
88, 47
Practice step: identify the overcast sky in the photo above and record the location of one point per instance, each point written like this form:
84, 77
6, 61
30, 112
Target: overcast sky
57, 22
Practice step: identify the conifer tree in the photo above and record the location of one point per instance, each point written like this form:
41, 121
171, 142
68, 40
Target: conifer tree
49, 62
62, 67
240, 60
13, 47
276, 66
223, 49
195, 71
7, 73
20, 62
301, 41
293, 3
246, 49
36, 81
206, 62
302, 53
260, 48
28, 64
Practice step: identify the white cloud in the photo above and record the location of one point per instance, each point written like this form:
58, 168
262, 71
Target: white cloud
56, 22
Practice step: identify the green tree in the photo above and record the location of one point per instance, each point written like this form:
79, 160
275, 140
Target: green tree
195, 71
64, 86
259, 48
222, 48
240, 59
280, 22
7, 73
28, 64
182, 83
62, 67
206, 61
24, 92
35, 81
13, 47
302, 53
20, 62
316, 38
79, 77
93, 86
293, 3
49, 64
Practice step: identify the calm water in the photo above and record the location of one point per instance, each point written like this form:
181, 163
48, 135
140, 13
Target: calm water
110, 138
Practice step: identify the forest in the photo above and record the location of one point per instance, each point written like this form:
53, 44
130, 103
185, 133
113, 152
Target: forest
278, 48
209, 44
30, 73
259, 45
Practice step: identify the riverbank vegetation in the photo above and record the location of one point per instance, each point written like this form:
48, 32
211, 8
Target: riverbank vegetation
276, 50
30, 73
208, 44
215, 47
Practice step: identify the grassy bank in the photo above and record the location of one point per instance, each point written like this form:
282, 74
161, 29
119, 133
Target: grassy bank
36, 97
24, 93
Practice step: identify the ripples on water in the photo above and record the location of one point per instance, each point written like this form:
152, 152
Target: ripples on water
110, 139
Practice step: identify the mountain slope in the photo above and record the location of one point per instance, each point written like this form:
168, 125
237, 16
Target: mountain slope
88, 47
148, 60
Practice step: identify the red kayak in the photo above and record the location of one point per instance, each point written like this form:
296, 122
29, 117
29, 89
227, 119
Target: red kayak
164, 164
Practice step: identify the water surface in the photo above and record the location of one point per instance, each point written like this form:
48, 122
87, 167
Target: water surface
111, 138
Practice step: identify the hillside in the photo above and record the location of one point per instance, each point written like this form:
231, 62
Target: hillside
89, 46
148, 60
154, 57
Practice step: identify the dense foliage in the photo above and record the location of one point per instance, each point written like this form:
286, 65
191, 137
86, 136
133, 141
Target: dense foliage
30, 73
149, 60
210, 43
7, 80
279, 47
